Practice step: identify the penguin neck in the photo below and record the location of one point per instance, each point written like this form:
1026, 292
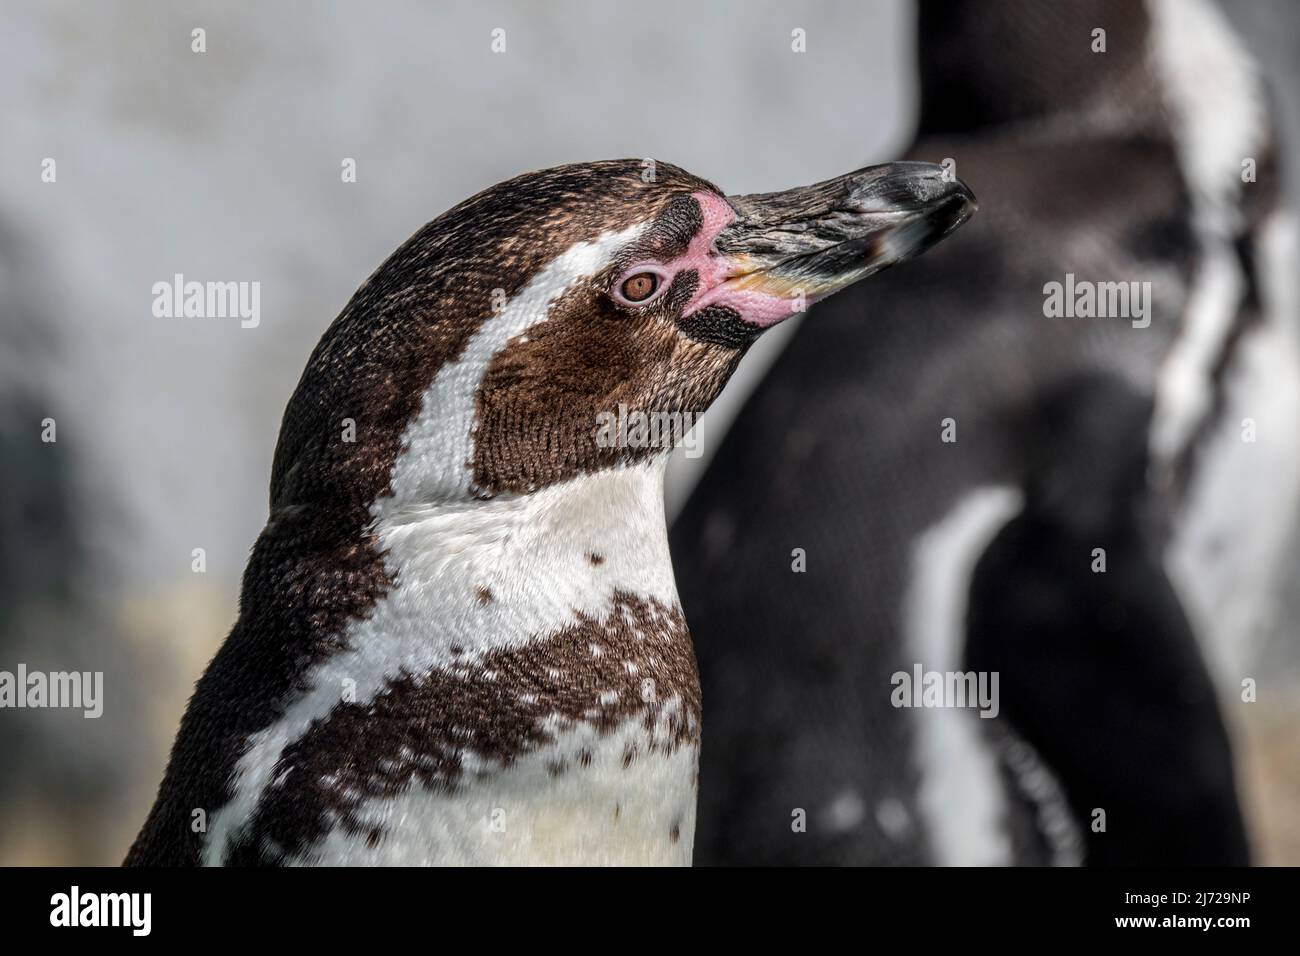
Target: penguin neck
505, 613
527, 565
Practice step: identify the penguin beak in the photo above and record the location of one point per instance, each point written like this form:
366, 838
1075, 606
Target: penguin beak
802, 245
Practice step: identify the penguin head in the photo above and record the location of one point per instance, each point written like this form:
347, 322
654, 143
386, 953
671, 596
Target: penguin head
503, 339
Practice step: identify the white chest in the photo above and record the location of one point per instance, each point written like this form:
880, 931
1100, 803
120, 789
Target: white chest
525, 692
606, 811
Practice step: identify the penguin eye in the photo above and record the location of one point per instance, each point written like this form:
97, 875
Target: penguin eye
640, 287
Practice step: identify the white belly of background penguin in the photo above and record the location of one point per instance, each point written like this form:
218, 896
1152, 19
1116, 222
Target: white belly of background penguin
459, 637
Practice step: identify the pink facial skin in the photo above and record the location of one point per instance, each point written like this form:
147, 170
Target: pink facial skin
755, 307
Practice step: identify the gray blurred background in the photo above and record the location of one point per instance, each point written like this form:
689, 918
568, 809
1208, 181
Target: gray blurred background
225, 165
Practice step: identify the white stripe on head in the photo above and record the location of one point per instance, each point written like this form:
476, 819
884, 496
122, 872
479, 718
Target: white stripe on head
439, 443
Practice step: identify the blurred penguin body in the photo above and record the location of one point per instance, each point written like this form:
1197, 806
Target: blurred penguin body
888, 443
1099, 670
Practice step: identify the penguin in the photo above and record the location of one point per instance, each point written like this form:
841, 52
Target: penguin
843, 539
459, 638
